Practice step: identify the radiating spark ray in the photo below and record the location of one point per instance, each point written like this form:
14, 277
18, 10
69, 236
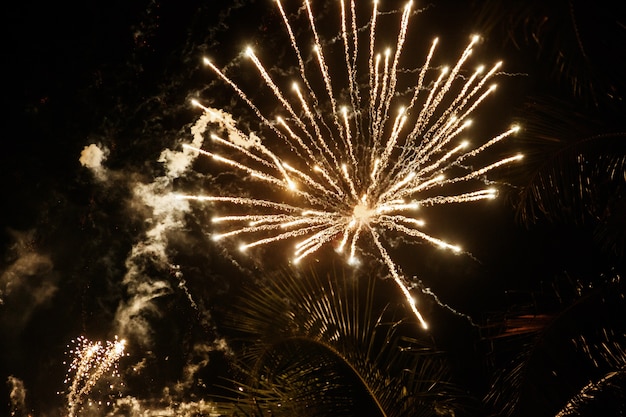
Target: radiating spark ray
393, 140
355, 239
311, 182
346, 235
397, 186
436, 164
301, 65
453, 73
477, 173
355, 165
253, 220
330, 180
294, 44
255, 173
372, 70
316, 128
427, 109
355, 53
243, 96
231, 145
313, 243
438, 143
378, 123
460, 198
300, 142
250, 229
270, 83
423, 186
409, 220
283, 236
493, 141
241, 201
416, 233
459, 100
373, 95
394, 66
348, 179
322, 65
398, 279
349, 65
420, 79
480, 85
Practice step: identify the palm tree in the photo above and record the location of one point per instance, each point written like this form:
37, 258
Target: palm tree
576, 173
563, 354
574, 132
316, 345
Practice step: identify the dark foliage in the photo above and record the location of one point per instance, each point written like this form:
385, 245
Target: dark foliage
325, 345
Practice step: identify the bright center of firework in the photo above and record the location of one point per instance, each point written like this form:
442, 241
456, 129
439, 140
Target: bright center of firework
362, 213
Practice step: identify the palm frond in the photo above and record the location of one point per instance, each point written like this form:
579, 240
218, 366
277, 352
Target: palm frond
574, 171
326, 345
576, 43
567, 364
605, 396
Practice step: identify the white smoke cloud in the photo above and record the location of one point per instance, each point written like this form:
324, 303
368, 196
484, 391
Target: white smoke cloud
27, 274
166, 407
226, 123
92, 157
177, 162
17, 396
163, 213
199, 359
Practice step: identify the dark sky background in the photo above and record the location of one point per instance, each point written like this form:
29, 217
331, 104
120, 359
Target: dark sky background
101, 252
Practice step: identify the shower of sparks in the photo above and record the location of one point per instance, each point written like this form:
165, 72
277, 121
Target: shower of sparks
362, 169
92, 360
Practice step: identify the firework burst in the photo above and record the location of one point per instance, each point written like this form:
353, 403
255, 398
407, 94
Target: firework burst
360, 170
92, 360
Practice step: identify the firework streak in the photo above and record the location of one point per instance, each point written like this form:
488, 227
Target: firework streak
91, 361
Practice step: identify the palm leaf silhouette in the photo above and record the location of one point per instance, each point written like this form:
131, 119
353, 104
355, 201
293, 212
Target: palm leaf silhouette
570, 361
600, 395
576, 44
575, 171
575, 136
326, 345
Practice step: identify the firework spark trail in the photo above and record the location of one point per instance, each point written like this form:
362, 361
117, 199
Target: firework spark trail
346, 183
91, 361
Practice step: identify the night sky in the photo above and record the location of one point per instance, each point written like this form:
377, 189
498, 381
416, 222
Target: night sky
97, 106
